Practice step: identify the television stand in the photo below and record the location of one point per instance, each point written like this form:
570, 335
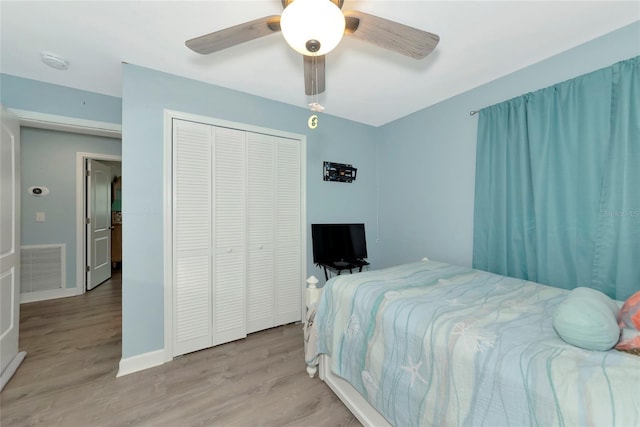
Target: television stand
340, 266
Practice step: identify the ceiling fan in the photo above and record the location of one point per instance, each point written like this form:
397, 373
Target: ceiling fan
315, 27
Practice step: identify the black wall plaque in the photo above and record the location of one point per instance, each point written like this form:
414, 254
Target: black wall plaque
339, 172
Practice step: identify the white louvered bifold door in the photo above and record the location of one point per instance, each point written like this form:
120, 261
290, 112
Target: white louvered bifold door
230, 236
288, 232
261, 231
192, 236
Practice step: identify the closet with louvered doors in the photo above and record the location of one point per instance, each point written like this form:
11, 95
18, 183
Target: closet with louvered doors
237, 232
274, 225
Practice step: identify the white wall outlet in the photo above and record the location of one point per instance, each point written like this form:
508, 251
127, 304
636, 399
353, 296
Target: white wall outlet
40, 217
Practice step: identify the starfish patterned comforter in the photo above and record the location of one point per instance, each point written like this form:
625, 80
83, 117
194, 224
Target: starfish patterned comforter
434, 344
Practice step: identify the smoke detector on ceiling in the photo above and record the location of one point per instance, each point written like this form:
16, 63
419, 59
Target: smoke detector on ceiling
54, 61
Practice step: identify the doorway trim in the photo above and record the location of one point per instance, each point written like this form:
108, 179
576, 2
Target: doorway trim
81, 201
34, 119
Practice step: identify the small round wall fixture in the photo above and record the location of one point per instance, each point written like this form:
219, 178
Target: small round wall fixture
38, 190
54, 61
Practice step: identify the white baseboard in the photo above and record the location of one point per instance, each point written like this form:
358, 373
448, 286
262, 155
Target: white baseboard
11, 368
129, 365
45, 295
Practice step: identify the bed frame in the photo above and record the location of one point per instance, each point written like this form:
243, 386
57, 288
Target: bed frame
358, 405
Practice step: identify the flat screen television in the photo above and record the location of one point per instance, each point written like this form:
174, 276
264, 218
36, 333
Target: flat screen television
338, 243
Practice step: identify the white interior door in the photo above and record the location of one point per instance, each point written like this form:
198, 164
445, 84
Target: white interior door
261, 205
288, 231
230, 235
9, 246
99, 223
192, 324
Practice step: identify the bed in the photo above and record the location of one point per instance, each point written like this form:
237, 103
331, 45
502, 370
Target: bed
429, 343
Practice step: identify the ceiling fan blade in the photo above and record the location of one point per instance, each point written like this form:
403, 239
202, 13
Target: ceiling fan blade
235, 35
314, 74
390, 35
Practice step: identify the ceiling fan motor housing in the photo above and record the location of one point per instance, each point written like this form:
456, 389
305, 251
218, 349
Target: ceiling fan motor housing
338, 3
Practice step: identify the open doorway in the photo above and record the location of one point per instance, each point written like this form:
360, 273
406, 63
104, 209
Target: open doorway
101, 224
43, 188
51, 241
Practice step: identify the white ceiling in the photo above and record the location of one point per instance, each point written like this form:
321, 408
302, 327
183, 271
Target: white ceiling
480, 41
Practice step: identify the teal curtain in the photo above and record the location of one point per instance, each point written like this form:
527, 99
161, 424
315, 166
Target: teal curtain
557, 196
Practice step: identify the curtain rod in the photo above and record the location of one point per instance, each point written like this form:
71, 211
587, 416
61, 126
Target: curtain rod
473, 112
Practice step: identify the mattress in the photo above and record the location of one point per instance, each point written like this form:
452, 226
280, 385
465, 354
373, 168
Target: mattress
429, 343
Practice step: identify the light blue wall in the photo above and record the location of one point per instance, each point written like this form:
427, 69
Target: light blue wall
146, 93
48, 158
427, 164
427, 159
33, 95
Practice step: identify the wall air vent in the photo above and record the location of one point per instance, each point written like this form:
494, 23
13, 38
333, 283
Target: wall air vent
42, 268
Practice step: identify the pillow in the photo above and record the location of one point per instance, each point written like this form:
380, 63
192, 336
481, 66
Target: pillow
587, 318
629, 321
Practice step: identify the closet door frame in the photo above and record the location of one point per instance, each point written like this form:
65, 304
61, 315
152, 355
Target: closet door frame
168, 201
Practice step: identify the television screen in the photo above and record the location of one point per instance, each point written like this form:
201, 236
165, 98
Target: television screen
338, 242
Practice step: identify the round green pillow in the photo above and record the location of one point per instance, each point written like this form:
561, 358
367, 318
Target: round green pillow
587, 319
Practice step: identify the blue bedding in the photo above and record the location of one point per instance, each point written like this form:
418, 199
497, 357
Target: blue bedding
430, 343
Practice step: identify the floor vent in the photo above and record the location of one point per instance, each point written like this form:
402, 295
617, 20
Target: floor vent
42, 268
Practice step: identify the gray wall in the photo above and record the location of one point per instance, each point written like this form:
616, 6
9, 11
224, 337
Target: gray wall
48, 158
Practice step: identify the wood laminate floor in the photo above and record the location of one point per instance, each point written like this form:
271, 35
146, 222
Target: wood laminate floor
69, 376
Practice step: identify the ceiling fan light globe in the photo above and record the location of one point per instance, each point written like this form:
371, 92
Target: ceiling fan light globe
305, 20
